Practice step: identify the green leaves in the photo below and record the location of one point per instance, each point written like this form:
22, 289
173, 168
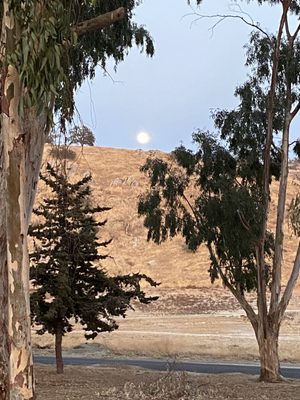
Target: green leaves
38, 50
201, 196
53, 61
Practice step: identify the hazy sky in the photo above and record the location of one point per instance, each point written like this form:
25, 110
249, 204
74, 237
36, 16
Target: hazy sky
193, 71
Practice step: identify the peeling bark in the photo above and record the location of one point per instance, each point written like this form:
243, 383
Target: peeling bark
19, 326
22, 153
4, 343
35, 132
100, 22
268, 352
18, 362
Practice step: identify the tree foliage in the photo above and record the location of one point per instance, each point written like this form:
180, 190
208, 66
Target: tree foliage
82, 135
69, 283
219, 195
202, 196
52, 58
78, 135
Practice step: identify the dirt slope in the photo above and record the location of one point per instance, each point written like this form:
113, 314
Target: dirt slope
118, 182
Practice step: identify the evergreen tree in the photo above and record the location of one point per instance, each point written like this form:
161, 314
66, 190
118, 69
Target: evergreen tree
68, 282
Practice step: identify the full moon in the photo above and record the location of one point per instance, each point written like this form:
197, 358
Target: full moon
143, 137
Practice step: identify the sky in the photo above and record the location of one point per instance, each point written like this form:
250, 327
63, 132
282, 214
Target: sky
164, 99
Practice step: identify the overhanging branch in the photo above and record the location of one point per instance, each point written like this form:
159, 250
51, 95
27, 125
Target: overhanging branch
99, 22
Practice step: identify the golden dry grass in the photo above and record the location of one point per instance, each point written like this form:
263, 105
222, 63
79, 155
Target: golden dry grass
118, 182
191, 314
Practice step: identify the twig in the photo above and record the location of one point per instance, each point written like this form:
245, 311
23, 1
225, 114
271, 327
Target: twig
223, 17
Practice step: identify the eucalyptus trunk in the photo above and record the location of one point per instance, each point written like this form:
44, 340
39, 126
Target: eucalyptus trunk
4, 342
267, 340
19, 176
21, 148
22, 142
18, 361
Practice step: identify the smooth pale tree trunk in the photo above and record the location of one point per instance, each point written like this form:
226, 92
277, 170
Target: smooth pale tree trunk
21, 149
268, 353
22, 154
58, 352
20, 369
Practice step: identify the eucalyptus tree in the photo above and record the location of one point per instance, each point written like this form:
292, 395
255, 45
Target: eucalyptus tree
47, 49
230, 213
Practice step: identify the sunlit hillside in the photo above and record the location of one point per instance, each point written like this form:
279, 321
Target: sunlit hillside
118, 182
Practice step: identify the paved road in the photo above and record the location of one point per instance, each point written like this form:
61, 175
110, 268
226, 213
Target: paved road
164, 365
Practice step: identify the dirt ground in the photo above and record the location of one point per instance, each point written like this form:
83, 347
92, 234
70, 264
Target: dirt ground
186, 324
182, 324
90, 383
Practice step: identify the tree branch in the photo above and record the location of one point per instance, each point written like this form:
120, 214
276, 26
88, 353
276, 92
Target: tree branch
99, 22
290, 285
260, 250
222, 17
240, 297
296, 33
295, 111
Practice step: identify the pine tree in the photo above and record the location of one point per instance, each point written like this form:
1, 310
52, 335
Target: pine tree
69, 285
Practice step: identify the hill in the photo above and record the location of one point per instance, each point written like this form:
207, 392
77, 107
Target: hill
117, 183
191, 315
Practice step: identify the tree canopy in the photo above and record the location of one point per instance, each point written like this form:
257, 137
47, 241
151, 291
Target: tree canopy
61, 43
82, 135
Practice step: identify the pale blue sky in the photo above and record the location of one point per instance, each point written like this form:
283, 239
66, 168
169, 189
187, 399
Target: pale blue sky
192, 72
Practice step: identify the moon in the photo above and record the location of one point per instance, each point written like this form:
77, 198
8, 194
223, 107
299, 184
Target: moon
143, 137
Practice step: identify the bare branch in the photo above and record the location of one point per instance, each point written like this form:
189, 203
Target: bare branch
192, 209
99, 22
287, 30
222, 17
243, 220
290, 285
295, 111
296, 33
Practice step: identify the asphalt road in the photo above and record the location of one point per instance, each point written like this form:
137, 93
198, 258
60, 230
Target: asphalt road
164, 365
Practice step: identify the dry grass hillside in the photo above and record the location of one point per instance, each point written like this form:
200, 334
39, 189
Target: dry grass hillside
118, 182
191, 315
